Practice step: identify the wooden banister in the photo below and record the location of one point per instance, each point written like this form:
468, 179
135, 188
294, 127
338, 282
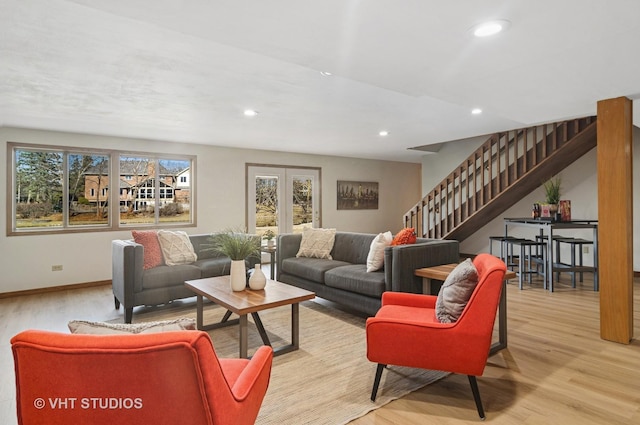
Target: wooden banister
511, 162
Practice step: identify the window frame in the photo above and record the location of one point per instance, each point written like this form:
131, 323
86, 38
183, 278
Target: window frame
113, 196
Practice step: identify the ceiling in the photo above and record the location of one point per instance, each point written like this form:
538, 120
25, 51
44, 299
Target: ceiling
184, 71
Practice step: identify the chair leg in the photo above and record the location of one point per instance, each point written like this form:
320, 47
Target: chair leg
116, 302
476, 395
376, 381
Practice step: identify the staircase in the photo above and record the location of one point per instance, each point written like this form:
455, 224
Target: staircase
508, 166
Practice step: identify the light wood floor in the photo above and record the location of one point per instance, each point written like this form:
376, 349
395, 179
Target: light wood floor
556, 369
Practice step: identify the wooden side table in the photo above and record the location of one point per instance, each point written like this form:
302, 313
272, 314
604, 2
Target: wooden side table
442, 271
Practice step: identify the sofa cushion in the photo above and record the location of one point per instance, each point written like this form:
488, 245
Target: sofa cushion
316, 243
164, 276
355, 278
104, 328
309, 268
214, 266
152, 251
176, 247
456, 291
352, 248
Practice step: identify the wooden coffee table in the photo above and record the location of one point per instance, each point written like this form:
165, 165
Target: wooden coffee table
242, 303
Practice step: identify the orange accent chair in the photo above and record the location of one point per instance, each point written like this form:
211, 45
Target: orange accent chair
406, 332
159, 378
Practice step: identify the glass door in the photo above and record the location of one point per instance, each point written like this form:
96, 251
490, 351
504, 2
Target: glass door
282, 199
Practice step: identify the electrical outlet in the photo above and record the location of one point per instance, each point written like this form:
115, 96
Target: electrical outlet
585, 249
56, 268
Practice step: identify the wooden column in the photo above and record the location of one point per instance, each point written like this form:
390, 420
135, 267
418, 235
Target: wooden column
615, 218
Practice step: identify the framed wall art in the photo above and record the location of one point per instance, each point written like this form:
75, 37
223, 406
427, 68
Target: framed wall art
356, 195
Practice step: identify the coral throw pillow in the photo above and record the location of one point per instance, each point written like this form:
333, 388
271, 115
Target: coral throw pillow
152, 251
405, 236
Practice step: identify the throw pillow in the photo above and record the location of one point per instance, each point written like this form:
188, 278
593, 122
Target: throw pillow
375, 259
152, 251
456, 291
317, 243
176, 247
104, 328
405, 236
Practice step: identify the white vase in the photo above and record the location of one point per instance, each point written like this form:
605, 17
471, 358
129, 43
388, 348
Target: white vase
271, 243
238, 275
257, 280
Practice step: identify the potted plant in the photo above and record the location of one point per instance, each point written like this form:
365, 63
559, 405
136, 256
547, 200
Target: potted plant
238, 246
552, 192
268, 235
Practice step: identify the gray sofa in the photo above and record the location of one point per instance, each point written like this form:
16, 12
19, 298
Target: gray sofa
344, 278
133, 286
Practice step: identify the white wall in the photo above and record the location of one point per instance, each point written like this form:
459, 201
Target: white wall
579, 184
26, 260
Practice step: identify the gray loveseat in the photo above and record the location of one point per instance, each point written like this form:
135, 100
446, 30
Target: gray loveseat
344, 278
133, 286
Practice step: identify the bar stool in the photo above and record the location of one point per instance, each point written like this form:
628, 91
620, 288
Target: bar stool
528, 256
503, 245
556, 239
576, 267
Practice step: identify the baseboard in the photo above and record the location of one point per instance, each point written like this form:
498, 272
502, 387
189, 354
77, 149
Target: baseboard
54, 289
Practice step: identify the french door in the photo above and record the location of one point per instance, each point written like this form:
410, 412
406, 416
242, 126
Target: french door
282, 199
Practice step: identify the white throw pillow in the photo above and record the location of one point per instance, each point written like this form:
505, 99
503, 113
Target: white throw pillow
317, 243
456, 291
104, 328
176, 247
375, 259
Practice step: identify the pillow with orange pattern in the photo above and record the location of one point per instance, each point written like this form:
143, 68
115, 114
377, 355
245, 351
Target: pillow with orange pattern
405, 236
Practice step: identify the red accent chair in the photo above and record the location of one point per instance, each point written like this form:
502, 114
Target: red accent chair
159, 378
406, 332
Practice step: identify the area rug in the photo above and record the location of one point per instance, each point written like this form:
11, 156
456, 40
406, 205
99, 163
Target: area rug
327, 381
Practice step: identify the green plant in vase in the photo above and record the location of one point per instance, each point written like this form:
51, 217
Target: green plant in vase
268, 235
238, 246
552, 192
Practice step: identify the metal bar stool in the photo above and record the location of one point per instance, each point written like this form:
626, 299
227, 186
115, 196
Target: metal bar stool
528, 257
502, 240
556, 239
574, 267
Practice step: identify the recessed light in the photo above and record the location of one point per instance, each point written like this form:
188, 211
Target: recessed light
489, 28
476, 111
250, 113
384, 133
326, 73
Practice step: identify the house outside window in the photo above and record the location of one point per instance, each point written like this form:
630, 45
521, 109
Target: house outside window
45, 177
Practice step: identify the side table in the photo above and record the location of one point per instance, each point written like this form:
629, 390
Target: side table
441, 272
271, 250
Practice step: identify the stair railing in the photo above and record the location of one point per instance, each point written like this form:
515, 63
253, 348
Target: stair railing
503, 159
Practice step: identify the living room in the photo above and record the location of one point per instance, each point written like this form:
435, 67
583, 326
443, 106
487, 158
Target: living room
221, 195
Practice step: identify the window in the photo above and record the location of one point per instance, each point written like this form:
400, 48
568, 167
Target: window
57, 189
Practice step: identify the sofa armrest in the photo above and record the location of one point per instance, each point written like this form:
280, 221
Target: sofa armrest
400, 262
127, 259
288, 246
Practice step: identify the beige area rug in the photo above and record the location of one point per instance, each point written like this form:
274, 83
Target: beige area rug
327, 381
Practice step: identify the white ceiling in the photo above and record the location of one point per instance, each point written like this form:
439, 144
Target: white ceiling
185, 70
